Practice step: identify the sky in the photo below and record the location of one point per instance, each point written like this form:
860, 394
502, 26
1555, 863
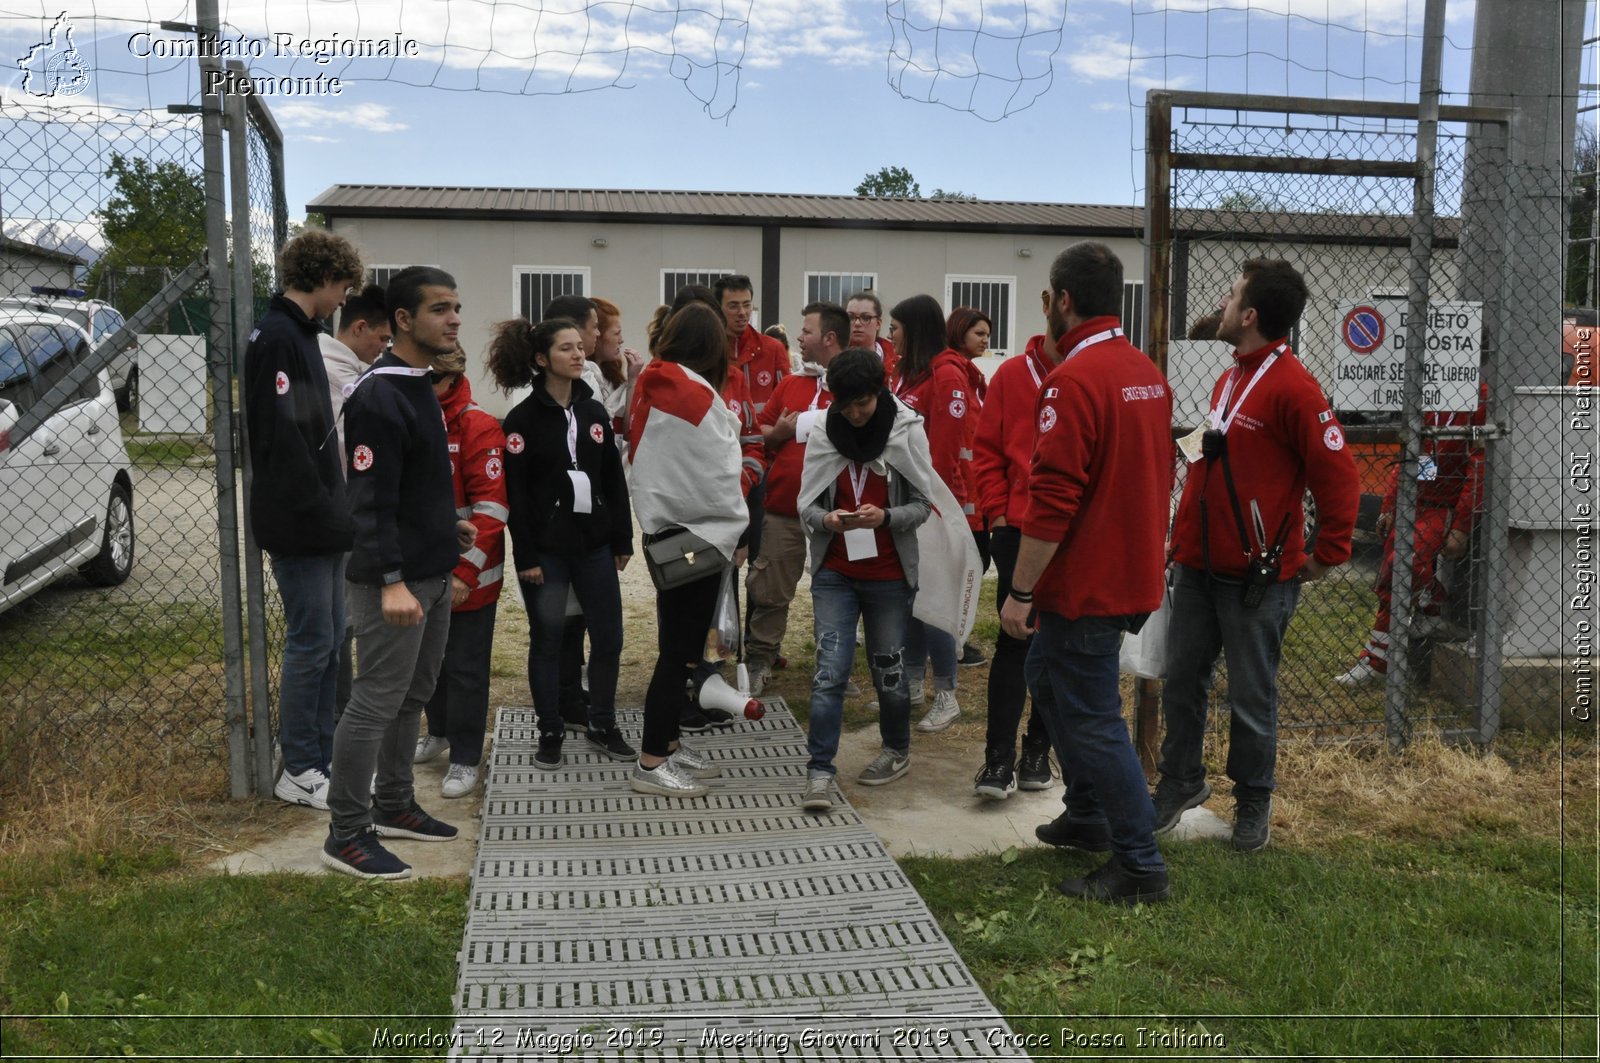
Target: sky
1036, 100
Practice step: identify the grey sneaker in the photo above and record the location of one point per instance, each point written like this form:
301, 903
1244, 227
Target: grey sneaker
759, 678
852, 689
693, 762
428, 747
666, 780
918, 700
1252, 824
942, 715
1172, 804
817, 797
886, 767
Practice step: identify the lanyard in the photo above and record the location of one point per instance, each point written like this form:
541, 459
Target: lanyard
1098, 337
858, 480
572, 434
1223, 423
1038, 382
817, 397
382, 370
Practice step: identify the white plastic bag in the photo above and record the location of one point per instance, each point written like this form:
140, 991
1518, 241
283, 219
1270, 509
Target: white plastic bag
1145, 654
722, 640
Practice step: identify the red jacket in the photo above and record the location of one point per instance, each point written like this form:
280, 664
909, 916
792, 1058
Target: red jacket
1283, 439
795, 395
887, 355
1100, 483
763, 362
1002, 450
477, 465
753, 447
1457, 480
949, 397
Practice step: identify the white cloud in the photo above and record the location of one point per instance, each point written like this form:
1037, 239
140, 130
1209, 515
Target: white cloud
372, 117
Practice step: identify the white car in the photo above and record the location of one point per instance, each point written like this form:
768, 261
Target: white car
100, 320
66, 496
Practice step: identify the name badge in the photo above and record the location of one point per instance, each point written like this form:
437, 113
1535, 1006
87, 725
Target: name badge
582, 498
860, 544
1189, 445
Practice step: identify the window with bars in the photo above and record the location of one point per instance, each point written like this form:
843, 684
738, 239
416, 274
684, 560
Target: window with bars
995, 296
672, 280
837, 287
537, 285
1133, 312
382, 275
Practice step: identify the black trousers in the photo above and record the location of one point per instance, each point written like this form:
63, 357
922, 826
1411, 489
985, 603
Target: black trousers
1008, 690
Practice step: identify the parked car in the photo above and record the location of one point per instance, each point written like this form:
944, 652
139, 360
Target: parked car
66, 489
100, 320
1578, 334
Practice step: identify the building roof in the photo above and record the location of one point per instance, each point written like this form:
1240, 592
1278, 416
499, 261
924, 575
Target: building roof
22, 247
721, 208
647, 206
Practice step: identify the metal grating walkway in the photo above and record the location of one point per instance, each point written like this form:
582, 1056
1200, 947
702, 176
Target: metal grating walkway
607, 924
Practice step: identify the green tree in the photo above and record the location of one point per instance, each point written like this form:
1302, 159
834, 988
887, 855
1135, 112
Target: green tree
154, 226
890, 182
1581, 280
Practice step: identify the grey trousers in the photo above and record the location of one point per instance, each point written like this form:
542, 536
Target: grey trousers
396, 669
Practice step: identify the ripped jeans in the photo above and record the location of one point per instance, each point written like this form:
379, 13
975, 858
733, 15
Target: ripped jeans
885, 608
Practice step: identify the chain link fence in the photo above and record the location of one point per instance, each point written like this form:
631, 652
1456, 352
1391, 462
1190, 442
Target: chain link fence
1330, 189
116, 441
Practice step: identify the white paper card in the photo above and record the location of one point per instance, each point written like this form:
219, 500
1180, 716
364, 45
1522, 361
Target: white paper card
860, 544
582, 500
805, 424
1190, 445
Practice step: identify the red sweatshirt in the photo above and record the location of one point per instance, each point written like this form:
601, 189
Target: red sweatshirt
737, 395
949, 397
763, 361
1002, 450
1101, 479
1452, 473
477, 463
1283, 439
796, 394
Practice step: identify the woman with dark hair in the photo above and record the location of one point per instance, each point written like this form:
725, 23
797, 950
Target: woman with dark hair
967, 333
458, 711
571, 527
943, 386
685, 472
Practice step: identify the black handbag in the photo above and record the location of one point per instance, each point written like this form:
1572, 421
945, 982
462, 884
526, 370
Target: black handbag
676, 556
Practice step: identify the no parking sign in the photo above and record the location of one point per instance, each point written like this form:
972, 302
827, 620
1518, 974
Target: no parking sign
1364, 329
1371, 371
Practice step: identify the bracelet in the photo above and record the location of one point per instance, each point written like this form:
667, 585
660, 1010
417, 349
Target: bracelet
1025, 597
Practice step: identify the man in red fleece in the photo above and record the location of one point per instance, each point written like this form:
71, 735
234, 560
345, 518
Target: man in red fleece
1089, 562
1240, 549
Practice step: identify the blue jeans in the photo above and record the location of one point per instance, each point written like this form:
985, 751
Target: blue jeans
925, 644
885, 607
593, 578
1072, 671
1209, 619
312, 589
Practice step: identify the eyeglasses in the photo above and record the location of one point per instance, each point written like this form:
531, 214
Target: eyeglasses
861, 319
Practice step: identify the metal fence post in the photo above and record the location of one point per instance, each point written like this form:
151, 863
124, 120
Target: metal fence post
221, 340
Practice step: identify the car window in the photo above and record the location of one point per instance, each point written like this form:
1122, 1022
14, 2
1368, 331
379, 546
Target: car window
14, 386
47, 352
106, 322
80, 352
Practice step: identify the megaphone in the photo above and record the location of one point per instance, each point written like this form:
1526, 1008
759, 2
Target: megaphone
715, 693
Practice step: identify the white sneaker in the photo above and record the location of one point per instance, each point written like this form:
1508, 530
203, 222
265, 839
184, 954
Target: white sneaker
459, 780
428, 747
943, 714
666, 780
309, 788
758, 681
693, 762
1360, 674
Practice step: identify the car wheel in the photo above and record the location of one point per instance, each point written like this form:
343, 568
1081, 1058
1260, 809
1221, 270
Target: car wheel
128, 393
115, 561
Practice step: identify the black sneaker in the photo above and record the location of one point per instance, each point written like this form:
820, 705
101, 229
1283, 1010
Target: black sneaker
694, 722
996, 780
718, 717
1252, 824
411, 823
1171, 803
549, 752
1064, 834
1033, 768
971, 656
609, 741
1114, 884
362, 856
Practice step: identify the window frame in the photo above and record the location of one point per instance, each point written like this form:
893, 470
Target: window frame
805, 283
519, 272
952, 279
714, 274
